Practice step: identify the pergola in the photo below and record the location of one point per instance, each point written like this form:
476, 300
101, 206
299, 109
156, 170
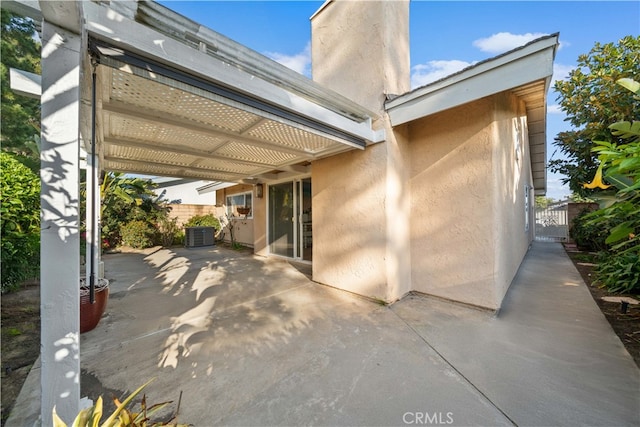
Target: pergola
142, 89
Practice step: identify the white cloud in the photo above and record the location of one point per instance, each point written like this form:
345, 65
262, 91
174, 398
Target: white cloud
561, 72
555, 188
503, 42
300, 62
423, 74
554, 109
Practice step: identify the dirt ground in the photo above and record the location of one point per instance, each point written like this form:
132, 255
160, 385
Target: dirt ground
20, 340
21, 332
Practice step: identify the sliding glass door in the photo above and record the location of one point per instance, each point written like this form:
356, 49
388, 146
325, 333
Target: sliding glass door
290, 232
281, 224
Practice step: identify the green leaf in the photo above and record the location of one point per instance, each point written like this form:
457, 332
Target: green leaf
632, 188
619, 232
605, 201
630, 84
619, 181
629, 164
625, 129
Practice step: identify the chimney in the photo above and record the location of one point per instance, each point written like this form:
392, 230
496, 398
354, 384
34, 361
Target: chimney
360, 49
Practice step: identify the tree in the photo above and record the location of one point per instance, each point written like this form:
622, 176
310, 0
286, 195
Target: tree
543, 202
124, 199
592, 100
20, 128
619, 164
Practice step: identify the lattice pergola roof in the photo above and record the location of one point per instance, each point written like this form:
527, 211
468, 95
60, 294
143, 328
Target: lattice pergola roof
210, 110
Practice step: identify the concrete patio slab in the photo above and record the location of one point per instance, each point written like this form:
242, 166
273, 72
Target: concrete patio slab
253, 341
549, 358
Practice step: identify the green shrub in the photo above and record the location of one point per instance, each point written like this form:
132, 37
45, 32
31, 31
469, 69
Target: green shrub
179, 238
20, 260
589, 234
208, 220
167, 229
137, 234
619, 273
19, 222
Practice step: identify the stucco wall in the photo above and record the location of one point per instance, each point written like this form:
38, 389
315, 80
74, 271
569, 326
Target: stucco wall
452, 238
512, 177
349, 233
360, 198
362, 52
468, 200
260, 246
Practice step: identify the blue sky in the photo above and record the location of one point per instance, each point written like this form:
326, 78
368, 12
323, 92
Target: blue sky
445, 36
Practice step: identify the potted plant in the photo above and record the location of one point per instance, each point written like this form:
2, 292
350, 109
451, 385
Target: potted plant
244, 210
90, 314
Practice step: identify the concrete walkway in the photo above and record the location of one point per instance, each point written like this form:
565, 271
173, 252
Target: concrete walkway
253, 342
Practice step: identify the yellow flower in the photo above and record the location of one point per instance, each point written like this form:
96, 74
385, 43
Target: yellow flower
597, 180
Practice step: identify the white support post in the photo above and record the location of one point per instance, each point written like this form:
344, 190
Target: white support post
60, 241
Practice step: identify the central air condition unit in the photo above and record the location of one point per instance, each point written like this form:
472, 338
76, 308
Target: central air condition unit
199, 236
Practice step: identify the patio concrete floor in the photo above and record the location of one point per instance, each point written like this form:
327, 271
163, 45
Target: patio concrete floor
253, 341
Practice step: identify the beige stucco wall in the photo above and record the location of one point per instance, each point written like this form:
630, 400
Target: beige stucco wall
512, 176
360, 49
439, 206
260, 246
349, 233
361, 198
467, 200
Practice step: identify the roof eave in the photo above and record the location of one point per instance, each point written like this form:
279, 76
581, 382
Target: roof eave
526, 71
518, 67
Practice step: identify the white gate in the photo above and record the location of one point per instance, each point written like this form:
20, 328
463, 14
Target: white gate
552, 223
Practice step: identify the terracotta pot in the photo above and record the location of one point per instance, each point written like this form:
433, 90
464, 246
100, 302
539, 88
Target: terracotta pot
90, 314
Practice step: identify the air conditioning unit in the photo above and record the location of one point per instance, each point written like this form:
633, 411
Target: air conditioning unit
199, 236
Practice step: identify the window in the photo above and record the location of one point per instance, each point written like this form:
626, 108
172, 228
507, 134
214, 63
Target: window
240, 205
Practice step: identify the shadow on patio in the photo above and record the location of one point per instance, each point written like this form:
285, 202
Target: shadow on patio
252, 341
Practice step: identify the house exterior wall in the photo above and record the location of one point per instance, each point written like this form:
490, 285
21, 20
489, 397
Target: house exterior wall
513, 226
360, 198
439, 206
349, 232
244, 229
260, 246
450, 176
362, 52
467, 200
186, 193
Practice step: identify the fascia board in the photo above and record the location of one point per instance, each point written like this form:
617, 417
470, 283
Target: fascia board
109, 26
532, 62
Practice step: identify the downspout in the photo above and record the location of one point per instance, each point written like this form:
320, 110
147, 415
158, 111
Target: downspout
93, 181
